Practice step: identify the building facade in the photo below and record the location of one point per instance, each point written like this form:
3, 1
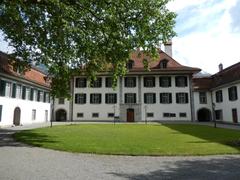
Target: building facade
164, 93
24, 97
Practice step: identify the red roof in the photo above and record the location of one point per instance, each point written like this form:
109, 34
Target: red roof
32, 75
172, 65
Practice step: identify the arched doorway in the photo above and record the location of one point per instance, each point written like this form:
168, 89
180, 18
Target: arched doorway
61, 115
204, 115
130, 115
17, 116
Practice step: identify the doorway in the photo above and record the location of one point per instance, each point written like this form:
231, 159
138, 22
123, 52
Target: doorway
204, 115
17, 116
130, 115
234, 116
61, 115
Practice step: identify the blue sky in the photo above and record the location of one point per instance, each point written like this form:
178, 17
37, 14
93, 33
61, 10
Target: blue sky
208, 33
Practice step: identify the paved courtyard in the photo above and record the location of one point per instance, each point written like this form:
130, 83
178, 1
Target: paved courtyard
22, 162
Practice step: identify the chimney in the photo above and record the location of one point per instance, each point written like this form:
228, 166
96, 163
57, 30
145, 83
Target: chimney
168, 48
220, 67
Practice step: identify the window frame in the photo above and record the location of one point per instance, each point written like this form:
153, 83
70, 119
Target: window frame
128, 100
95, 98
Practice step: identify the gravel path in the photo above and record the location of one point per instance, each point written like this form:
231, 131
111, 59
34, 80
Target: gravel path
22, 162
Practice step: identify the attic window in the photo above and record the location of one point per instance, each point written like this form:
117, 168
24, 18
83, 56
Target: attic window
163, 64
130, 64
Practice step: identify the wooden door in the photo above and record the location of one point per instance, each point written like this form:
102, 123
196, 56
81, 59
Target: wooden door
16, 116
130, 115
234, 115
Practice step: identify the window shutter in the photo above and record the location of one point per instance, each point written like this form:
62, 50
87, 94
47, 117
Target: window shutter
91, 98
169, 82
100, 82
115, 98
125, 98
170, 97
106, 98
176, 81
145, 98
14, 91
153, 79
135, 97
106, 82
100, 98
161, 98
125, 81
2, 87
24, 92
235, 88
154, 98
85, 98
160, 81
38, 95
134, 80
31, 94
229, 94
185, 80
85, 82
177, 97
76, 82
76, 98
186, 96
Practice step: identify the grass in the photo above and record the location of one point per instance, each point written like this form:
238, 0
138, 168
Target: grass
135, 139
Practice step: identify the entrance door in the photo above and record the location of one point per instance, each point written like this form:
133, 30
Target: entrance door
16, 116
130, 115
61, 115
234, 115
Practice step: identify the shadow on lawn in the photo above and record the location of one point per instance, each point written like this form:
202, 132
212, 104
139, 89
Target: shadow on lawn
227, 137
16, 139
212, 168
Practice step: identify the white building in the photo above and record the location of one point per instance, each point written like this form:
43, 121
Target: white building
24, 97
164, 93
218, 93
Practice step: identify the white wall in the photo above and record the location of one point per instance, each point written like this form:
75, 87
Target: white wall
26, 106
226, 106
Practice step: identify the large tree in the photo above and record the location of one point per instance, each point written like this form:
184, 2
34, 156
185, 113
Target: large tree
68, 36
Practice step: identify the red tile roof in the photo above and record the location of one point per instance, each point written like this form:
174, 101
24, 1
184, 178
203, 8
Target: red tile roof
172, 65
225, 76
32, 75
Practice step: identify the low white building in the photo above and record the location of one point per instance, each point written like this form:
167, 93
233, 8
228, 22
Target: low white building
24, 97
218, 93
164, 93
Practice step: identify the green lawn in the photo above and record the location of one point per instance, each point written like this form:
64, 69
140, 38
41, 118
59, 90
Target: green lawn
135, 139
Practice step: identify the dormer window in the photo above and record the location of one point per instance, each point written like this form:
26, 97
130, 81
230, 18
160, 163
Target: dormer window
130, 64
163, 64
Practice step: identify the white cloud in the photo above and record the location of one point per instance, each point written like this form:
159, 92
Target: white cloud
177, 5
210, 40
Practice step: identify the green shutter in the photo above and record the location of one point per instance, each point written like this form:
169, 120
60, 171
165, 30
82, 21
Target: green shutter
14, 91
24, 92
2, 87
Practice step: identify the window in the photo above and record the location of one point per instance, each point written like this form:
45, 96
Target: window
18, 91
46, 97
169, 115
61, 100
111, 98
97, 83
95, 98
35, 95
27, 93
110, 115
80, 82
181, 81
34, 114
182, 114
219, 96
130, 64
0, 113
165, 98
80, 98
232, 93
40, 96
182, 98
218, 114
150, 115
80, 115
130, 81
163, 64
95, 115
130, 98
108, 82
8, 89
165, 81
149, 98
46, 115
203, 97
149, 81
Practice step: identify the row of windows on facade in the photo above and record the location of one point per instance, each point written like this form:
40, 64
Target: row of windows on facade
148, 114
34, 114
164, 81
219, 113
111, 98
19, 91
232, 94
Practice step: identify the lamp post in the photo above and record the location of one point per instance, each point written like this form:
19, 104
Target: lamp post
214, 117
114, 112
145, 108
